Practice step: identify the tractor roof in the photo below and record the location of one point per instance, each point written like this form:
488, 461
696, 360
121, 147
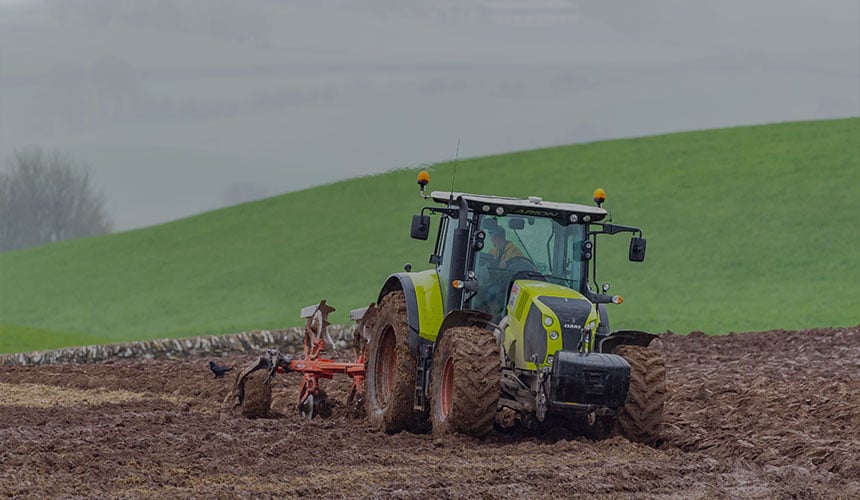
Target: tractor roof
531, 206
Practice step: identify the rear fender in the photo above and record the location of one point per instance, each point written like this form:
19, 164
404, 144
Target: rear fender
625, 337
424, 312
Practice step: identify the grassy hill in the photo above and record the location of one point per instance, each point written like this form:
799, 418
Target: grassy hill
748, 228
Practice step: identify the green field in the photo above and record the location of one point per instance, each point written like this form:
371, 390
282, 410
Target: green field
748, 228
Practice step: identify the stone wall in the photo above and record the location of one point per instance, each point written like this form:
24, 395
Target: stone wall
288, 341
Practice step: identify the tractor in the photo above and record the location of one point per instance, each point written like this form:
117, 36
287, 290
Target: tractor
505, 328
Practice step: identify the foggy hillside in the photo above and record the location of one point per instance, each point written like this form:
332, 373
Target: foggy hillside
181, 107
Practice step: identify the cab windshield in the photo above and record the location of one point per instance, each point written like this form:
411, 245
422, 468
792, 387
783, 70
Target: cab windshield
519, 247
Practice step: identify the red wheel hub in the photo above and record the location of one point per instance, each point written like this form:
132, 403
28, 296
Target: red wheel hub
386, 366
446, 388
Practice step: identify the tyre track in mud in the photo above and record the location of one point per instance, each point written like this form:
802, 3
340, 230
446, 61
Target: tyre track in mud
758, 415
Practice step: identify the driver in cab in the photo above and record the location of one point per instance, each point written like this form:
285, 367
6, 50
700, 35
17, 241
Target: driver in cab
503, 250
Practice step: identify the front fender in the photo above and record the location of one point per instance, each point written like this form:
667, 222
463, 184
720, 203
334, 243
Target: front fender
625, 337
464, 317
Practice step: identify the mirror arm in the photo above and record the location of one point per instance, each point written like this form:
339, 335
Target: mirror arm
450, 212
616, 228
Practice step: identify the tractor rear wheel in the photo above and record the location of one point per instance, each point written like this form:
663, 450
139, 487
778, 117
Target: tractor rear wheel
642, 414
465, 392
391, 369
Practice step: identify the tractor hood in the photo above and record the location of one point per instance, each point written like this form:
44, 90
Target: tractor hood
550, 318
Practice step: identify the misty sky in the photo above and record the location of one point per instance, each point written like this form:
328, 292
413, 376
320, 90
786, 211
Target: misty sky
179, 107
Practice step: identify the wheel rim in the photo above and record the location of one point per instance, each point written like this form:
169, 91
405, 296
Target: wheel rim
386, 367
446, 388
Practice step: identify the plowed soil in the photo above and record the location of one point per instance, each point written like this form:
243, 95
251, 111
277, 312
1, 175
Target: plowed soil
758, 415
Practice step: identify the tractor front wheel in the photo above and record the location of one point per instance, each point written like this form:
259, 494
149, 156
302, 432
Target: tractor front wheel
642, 414
465, 389
391, 369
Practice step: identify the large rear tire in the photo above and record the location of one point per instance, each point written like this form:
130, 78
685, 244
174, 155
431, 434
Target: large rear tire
642, 415
465, 393
391, 370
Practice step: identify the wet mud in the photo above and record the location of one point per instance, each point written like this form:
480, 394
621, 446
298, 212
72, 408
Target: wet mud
758, 415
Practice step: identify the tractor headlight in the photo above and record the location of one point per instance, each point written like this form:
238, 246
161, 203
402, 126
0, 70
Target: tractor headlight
553, 335
547, 320
591, 325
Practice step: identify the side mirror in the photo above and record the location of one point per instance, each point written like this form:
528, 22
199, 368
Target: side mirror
420, 227
637, 249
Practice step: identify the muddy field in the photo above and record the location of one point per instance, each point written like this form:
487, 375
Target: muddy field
761, 415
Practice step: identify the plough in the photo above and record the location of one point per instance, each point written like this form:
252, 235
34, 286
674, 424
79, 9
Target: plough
312, 363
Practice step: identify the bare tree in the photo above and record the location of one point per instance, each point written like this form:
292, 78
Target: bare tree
45, 198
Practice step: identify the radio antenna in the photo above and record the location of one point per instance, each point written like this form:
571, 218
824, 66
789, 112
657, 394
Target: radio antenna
456, 159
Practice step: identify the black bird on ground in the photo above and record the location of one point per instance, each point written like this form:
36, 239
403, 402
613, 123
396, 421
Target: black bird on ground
219, 371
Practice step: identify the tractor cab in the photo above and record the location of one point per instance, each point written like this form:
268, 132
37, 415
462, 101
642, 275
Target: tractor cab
486, 243
512, 239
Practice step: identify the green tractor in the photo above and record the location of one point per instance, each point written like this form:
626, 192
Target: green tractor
505, 329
